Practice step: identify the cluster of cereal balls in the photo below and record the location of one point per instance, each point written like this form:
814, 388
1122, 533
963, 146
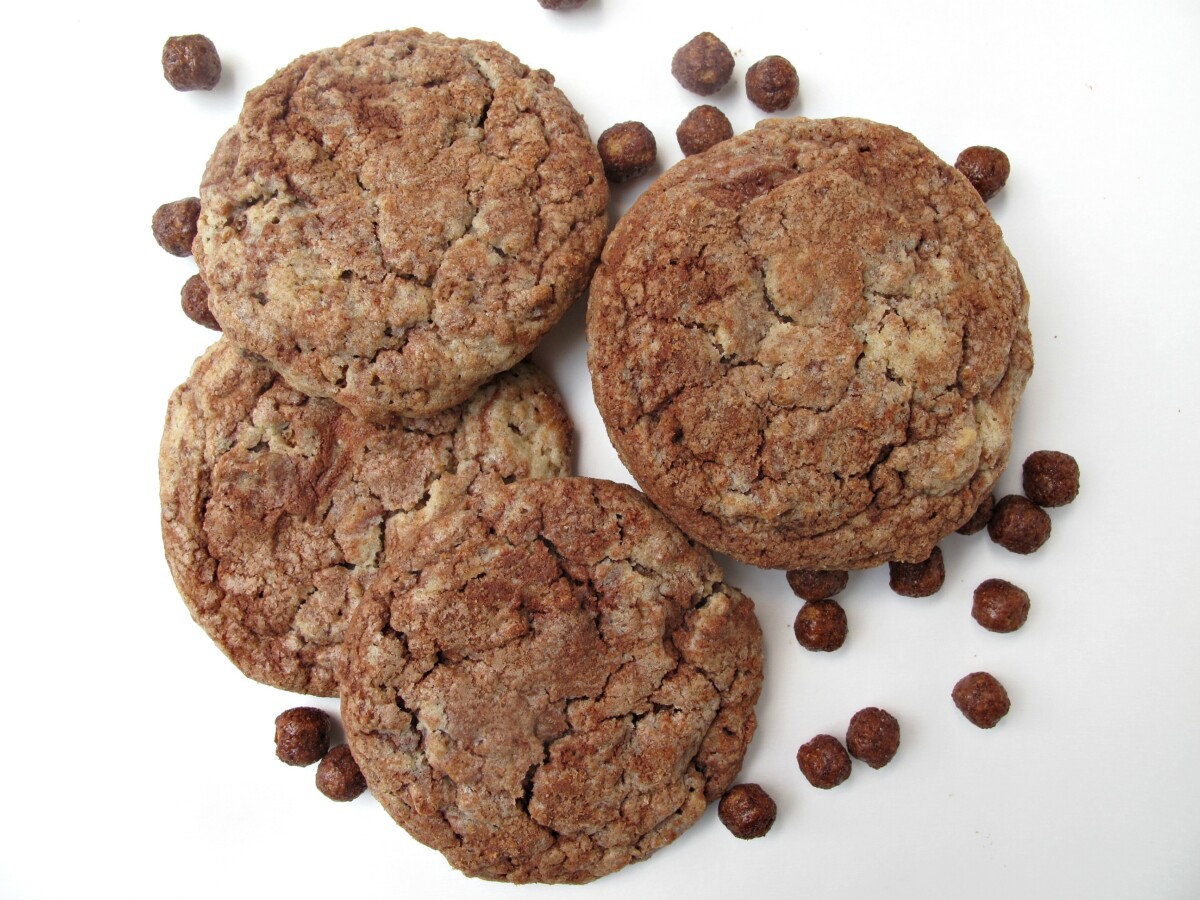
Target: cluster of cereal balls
302, 738
1018, 523
704, 65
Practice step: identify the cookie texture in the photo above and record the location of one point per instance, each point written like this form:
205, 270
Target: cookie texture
552, 684
393, 221
278, 509
808, 344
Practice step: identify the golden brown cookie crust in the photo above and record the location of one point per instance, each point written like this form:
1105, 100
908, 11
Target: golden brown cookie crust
277, 509
553, 684
808, 344
393, 221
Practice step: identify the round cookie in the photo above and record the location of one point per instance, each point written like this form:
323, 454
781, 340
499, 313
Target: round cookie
277, 509
554, 683
393, 221
808, 345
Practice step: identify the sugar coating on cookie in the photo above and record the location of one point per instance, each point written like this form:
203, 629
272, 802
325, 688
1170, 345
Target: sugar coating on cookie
554, 683
278, 509
393, 221
808, 345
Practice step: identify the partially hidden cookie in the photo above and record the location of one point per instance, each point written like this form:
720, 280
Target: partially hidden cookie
277, 509
393, 221
553, 683
808, 345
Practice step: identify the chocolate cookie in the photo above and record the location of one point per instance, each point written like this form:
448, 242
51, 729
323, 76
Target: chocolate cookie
278, 508
392, 222
553, 683
808, 344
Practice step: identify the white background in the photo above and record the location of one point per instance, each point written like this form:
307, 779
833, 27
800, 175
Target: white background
137, 762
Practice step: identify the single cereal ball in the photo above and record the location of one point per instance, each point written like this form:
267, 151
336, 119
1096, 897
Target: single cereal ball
922, 579
810, 584
301, 735
627, 151
981, 516
824, 762
338, 776
703, 65
194, 299
1018, 524
703, 127
985, 167
191, 63
873, 736
772, 84
747, 811
981, 698
174, 225
821, 625
1000, 605
561, 4
1050, 478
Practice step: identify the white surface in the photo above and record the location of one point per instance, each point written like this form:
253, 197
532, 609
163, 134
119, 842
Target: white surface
137, 762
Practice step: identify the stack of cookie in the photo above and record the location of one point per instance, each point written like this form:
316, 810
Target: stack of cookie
365, 490
807, 343
389, 227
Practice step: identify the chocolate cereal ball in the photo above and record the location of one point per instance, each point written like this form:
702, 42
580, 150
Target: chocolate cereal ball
981, 516
301, 735
338, 776
174, 225
747, 811
824, 762
194, 300
821, 625
923, 579
1050, 478
985, 167
703, 127
190, 63
1018, 524
981, 698
772, 84
703, 65
809, 584
1000, 605
627, 151
873, 736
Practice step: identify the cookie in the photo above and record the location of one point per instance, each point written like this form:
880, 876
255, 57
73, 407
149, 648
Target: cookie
808, 345
393, 221
553, 683
278, 509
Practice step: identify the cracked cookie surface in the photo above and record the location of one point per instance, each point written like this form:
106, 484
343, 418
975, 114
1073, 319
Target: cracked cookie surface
552, 684
808, 345
278, 509
393, 221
